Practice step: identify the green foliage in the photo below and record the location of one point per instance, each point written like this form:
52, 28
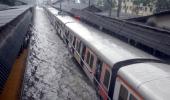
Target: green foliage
99, 2
162, 5
144, 2
110, 3
114, 4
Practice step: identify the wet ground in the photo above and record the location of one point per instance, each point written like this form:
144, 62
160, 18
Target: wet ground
51, 72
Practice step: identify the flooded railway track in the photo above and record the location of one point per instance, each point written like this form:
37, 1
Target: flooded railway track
51, 74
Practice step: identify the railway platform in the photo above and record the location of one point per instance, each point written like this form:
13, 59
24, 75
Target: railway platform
14, 24
12, 88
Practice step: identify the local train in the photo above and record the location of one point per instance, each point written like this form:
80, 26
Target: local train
119, 71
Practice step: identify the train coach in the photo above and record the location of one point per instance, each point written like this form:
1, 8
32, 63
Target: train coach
118, 70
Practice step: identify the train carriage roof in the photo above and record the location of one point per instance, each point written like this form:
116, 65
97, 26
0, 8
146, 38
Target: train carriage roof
150, 80
62, 17
105, 46
108, 48
53, 10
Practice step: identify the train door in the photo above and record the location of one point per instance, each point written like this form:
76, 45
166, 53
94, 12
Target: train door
122, 91
105, 81
83, 50
77, 48
98, 70
89, 67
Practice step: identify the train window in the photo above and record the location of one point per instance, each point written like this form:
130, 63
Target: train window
123, 94
98, 69
70, 40
60, 31
132, 97
74, 41
79, 48
66, 33
83, 52
88, 57
91, 61
99, 64
106, 79
77, 45
69, 37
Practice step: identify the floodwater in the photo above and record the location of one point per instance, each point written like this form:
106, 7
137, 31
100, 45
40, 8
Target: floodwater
51, 73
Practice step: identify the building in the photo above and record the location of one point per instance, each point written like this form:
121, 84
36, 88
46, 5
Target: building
143, 9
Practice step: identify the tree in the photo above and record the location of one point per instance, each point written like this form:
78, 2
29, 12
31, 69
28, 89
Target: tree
108, 5
137, 3
144, 2
162, 5
8, 2
99, 2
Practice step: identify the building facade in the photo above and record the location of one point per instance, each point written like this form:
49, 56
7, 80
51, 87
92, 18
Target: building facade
128, 6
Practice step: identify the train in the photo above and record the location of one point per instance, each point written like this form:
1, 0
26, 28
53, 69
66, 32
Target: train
13, 39
118, 70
